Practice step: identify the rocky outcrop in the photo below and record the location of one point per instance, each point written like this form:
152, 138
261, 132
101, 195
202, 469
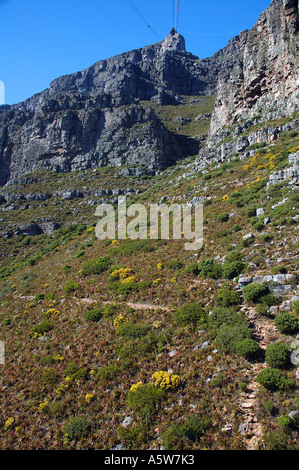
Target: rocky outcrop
97, 118
264, 79
290, 174
94, 118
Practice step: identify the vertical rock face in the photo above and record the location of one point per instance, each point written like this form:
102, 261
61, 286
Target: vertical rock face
95, 117
265, 76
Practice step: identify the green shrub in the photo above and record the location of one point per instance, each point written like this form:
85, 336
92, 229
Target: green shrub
224, 316
279, 269
71, 369
171, 437
236, 228
285, 421
109, 310
235, 199
131, 330
223, 217
144, 400
233, 255
250, 211
108, 372
274, 380
39, 297
192, 268
287, 323
174, 264
254, 292
278, 440
70, 286
247, 348
259, 226
230, 335
44, 327
232, 269
195, 426
209, 268
295, 306
93, 315
95, 266
191, 313
270, 299
227, 296
132, 436
277, 355
49, 376
266, 237
219, 380
76, 428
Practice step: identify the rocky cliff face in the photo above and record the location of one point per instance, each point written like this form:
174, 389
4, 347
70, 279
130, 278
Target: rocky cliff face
264, 79
95, 118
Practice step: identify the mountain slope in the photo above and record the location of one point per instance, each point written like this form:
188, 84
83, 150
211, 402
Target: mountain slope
131, 344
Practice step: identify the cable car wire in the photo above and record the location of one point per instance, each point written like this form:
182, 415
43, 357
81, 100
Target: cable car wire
141, 16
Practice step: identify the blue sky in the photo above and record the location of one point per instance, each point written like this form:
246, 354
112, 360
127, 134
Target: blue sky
41, 40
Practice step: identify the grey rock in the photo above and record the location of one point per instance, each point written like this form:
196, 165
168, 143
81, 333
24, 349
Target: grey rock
266, 56
248, 236
295, 357
30, 228
260, 212
127, 421
244, 429
244, 281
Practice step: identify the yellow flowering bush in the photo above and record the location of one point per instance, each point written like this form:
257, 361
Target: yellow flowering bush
89, 397
9, 422
58, 357
136, 386
121, 273
43, 406
159, 266
165, 380
63, 387
128, 280
156, 281
53, 311
294, 149
119, 320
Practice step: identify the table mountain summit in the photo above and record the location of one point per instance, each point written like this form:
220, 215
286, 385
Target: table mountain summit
107, 114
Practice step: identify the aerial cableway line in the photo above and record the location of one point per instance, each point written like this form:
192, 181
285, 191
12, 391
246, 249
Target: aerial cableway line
176, 14
141, 16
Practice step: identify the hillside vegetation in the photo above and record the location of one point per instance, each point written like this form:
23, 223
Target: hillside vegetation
141, 344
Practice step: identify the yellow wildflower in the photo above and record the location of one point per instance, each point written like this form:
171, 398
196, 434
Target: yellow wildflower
165, 380
89, 397
128, 280
44, 405
119, 320
135, 387
9, 422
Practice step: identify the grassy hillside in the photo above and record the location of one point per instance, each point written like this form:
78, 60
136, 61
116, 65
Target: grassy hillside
140, 343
